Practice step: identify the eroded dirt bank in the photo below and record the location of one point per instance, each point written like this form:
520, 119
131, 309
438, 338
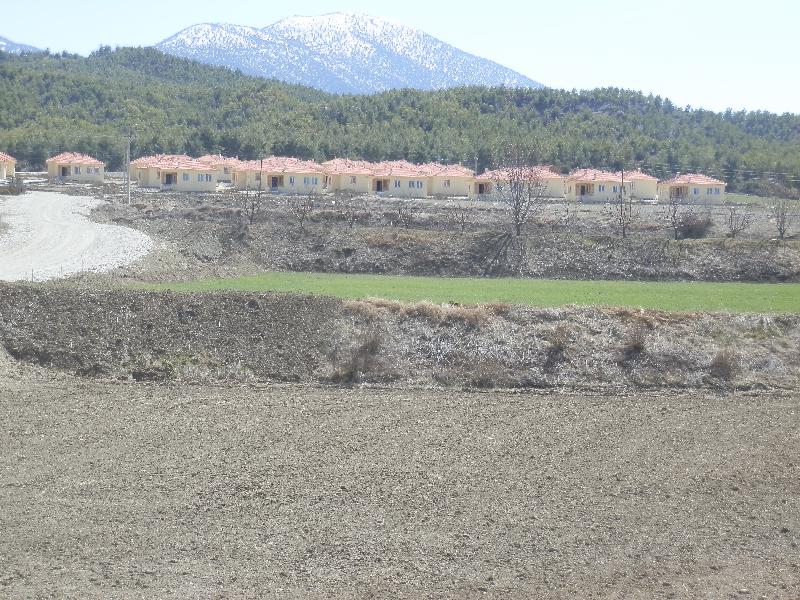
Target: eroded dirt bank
247, 337
249, 491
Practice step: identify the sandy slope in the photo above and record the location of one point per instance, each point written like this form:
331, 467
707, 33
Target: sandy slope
49, 235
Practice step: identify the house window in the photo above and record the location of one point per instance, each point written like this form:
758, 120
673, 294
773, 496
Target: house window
186, 177
315, 180
76, 170
601, 188
419, 185
696, 191
716, 191
397, 183
410, 184
199, 177
352, 181
291, 180
447, 183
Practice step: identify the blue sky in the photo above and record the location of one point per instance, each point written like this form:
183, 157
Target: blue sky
711, 54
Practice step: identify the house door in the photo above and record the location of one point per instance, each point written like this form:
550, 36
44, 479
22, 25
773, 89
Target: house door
274, 182
584, 190
379, 186
481, 188
64, 171
170, 179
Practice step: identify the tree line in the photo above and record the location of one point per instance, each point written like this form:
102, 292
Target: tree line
55, 102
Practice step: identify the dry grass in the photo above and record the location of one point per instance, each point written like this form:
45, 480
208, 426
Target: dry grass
374, 309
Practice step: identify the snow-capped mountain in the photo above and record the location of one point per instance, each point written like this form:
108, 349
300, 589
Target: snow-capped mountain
341, 53
7, 45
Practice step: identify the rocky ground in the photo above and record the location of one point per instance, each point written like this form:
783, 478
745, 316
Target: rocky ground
250, 491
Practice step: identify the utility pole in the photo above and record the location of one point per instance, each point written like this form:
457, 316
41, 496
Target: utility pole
128, 163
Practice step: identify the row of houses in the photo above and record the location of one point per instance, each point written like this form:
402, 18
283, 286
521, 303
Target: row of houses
391, 178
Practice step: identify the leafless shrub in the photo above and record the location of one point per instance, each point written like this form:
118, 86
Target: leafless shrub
724, 365
694, 226
623, 211
461, 217
635, 341
560, 338
783, 212
299, 209
405, 214
251, 205
359, 360
738, 222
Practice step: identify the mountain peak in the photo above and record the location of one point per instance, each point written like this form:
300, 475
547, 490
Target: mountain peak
341, 53
6, 45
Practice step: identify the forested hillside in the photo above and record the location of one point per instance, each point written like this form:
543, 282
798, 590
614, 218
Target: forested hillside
50, 103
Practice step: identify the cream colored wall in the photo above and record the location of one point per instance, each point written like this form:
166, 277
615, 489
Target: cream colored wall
701, 195
54, 171
459, 186
343, 183
7, 169
600, 195
190, 184
553, 187
300, 185
403, 191
642, 189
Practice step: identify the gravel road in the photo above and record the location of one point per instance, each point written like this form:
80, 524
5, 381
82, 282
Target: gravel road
49, 235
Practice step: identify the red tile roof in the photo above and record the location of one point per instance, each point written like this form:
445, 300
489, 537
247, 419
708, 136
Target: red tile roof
540, 171
693, 179
592, 175
177, 162
637, 175
7, 158
344, 166
279, 164
75, 158
217, 160
439, 170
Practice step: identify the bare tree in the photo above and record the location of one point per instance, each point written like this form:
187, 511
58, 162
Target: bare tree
784, 211
461, 216
350, 211
519, 185
623, 210
300, 208
405, 214
675, 214
738, 222
251, 205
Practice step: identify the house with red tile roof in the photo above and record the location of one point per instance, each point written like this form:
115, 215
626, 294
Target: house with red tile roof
692, 187
223, 166
592, 185
550, 181
175, 172
349, 176
280, 175
639, 185
73, 166
448, 180
400, 178
7, 165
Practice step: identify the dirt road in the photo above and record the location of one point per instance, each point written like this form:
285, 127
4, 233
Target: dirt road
143, 491
49, 235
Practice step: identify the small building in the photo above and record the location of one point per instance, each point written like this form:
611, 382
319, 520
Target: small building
280, 175
550, 182
349, 176
639, 185
7, 165
592, 185
449, 180
400, 178
692, 187
223, 166
176, 172
72, 166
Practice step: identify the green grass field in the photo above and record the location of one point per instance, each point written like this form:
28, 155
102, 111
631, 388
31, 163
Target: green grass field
735, 297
